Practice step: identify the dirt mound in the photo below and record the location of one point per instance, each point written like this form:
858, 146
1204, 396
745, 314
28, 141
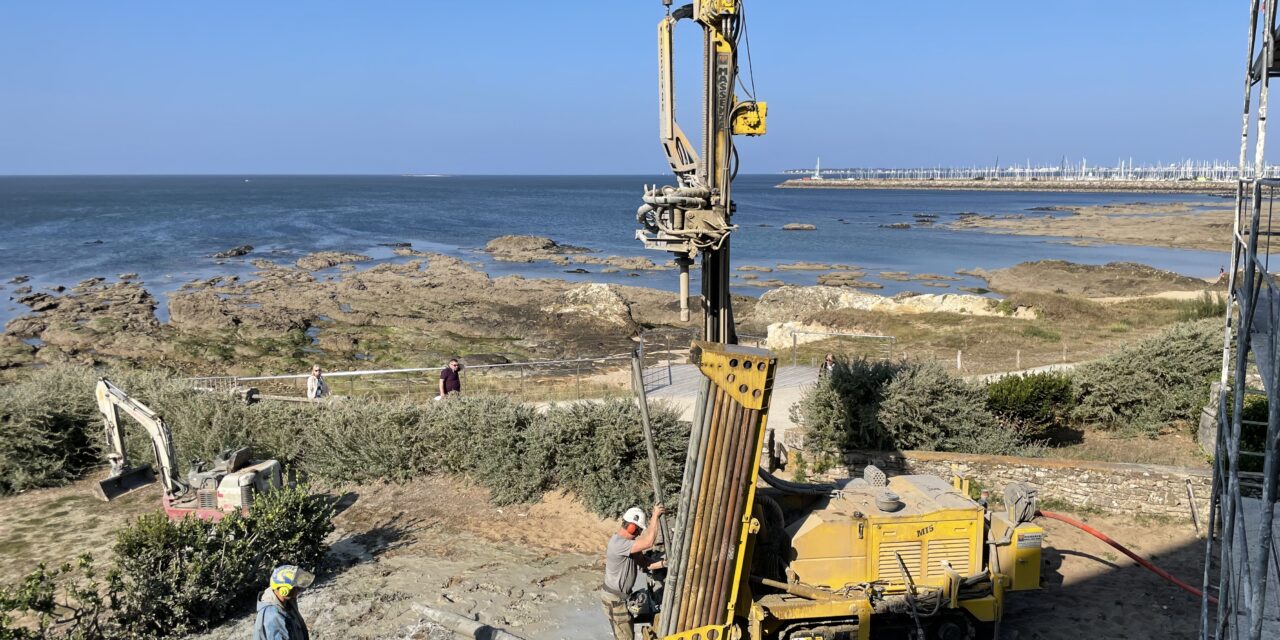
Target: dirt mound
528, 248
1095, 281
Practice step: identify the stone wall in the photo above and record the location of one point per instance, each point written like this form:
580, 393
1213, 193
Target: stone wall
1113, 487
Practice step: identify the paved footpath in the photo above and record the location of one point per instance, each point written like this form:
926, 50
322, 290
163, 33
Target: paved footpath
682, 392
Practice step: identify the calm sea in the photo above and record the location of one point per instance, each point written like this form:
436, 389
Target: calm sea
61, 230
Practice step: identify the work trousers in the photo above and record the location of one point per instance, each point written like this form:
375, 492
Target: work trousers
619, 618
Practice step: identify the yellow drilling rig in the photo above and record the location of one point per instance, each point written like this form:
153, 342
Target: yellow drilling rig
911, 556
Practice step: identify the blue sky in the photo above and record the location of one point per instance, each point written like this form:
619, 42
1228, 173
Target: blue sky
510, 86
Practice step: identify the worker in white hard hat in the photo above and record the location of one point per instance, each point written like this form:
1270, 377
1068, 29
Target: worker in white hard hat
622, 563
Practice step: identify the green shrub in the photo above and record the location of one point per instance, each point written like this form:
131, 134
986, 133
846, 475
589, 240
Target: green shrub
1253, 437
863, 404
66, 602
597, 451
1147, 385
925, 407
1034, 402
49, 430
172, 579
175, 578
839, 412
488, 440
359, 442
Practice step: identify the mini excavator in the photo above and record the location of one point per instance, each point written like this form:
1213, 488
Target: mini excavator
229, 483
912, 556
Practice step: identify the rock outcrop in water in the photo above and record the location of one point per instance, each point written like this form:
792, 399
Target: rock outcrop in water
235, 252
325, 259
528, 248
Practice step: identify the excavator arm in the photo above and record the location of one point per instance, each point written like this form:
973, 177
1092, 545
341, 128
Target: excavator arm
125, 478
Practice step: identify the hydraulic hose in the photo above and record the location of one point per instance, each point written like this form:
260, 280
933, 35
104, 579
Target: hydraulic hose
1122, 549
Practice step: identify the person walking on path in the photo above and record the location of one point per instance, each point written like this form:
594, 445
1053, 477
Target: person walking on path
278, 615
449, 381
827, 365
316, 387
622, 563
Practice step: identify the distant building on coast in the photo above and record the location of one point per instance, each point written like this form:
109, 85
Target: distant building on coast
1064, 172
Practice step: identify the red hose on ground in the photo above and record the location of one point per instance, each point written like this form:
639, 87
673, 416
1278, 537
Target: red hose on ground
1121, 548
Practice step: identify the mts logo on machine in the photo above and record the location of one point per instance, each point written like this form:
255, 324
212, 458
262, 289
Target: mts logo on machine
922, 532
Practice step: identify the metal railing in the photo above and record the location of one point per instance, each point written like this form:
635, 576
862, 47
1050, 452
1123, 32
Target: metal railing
1241, 531
533, 381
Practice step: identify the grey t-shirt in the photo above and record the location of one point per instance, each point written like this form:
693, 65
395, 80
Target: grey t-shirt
619, 568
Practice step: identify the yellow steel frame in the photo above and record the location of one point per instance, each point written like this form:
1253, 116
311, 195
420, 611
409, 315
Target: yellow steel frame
746, 375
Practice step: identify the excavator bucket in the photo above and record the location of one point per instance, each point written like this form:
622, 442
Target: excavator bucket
126, 482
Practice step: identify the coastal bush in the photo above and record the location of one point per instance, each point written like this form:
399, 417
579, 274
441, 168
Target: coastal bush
355, 442
595, 449
170, 579
48, 431
865, 404
1145, 386
175, 578
489, 440
926, 407
839, 412
1034, 402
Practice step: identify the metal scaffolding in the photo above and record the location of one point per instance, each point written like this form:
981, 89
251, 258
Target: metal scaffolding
1241, 563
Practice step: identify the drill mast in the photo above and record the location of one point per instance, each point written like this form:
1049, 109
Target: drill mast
694, 217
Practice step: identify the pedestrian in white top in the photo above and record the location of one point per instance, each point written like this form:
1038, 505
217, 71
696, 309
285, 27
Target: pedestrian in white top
316, 387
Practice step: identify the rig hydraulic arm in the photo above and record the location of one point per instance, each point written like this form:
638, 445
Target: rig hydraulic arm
694, 217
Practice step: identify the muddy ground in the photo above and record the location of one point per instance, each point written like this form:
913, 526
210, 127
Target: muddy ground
534, 569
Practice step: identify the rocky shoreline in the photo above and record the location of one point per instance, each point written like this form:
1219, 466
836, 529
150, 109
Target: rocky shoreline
432, 306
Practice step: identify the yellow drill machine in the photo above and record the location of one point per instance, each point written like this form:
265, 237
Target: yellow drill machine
911, 556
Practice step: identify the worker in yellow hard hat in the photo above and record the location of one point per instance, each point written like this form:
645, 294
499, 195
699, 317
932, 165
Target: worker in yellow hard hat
278, 615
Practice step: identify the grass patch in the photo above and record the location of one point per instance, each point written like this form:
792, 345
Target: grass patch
1208, 305
1123, 326
1042, 333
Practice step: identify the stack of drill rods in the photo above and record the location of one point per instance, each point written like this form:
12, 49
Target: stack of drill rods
717, 513
677, 548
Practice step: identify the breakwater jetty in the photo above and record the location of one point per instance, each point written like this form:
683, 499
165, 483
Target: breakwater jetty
1097, 186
